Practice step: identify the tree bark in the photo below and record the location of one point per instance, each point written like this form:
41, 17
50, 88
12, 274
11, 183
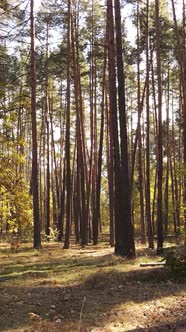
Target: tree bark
126, 233
67, 138
114, 122
35, 191
148, 196
159, 148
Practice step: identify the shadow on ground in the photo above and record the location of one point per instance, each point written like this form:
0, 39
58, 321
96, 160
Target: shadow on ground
175, 326
100, 292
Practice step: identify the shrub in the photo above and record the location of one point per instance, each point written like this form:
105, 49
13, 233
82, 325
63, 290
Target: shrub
175, 261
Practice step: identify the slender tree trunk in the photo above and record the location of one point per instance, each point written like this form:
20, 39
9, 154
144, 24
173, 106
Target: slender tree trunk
110, 174
141, 192
166, 192
176, 195
173, 196
53, 153
95, 219
82, 178
114, 121
142, 214
91, 180
67, 141
98, 163
60, 223
184, 112
35, 191
160, 156
148, 196
126, 246
42, 170
133, 154
47, 202
98, 179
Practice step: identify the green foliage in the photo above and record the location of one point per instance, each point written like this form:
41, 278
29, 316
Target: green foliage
15, 206
54, 232
175, 261
15, 200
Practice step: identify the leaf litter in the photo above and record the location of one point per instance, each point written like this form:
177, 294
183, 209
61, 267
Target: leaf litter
88, 290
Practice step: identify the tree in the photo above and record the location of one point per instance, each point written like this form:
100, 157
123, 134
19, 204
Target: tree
184, 111
126, 231
159, 147
124, 237
35, 191
148, 197
67, 139
140, 166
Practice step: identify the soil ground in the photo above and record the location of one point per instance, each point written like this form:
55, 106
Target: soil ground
86, 290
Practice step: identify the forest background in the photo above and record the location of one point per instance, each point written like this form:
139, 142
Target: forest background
93, 121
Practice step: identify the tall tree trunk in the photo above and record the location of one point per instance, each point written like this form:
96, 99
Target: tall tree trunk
173, 196
114, 121
98, 178
176, 194
98, 163
166, 192
60, 224
91, 180
41, 170
138, 128
148, 198
53, 154
159, 148
67, 141
126, 245
141, 192
184, 112
81, 155
47, 203
109, 143
95, 218
35, 190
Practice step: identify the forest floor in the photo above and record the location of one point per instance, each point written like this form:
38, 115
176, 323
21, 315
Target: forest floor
87, 289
